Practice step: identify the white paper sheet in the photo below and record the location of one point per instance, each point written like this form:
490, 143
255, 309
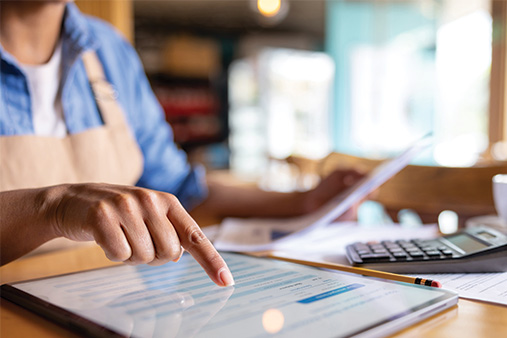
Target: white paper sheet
266, 234
487, 287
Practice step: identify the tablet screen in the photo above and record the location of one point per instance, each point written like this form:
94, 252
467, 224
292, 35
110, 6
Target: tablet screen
270, 297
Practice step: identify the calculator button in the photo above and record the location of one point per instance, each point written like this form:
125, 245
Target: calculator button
447, 253
388, 243
395, 250
415, 254
363, 252
360, 246
370, 254
402, 242
400, 256
375, 258
429, 249
393, 247
433, 254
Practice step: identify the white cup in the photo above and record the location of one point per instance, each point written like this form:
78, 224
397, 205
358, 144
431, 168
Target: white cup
500, 195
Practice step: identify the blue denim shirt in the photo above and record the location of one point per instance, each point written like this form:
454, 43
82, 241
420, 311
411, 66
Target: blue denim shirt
165, 166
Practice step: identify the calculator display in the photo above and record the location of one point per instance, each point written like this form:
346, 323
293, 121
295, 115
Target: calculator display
466, 243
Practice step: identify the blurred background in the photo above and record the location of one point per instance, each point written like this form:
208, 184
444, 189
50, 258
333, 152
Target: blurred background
249, 84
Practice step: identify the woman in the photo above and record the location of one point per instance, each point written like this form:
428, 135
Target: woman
85, 152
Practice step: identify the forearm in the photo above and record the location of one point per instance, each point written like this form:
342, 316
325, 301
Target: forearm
26, 221
238, 201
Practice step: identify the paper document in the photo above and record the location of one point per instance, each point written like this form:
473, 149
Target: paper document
265, 234
487, 287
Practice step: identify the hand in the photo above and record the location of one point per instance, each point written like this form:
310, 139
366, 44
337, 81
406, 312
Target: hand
133, 225
334, 184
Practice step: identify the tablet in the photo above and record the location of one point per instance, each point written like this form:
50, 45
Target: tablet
269, 298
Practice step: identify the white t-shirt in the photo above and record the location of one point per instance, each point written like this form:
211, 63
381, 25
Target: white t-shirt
44, 86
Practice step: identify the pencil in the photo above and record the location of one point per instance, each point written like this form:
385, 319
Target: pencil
362, 271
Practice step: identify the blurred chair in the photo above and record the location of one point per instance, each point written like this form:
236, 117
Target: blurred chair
427, 190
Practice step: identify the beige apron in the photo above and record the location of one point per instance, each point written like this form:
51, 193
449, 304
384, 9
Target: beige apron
108, 153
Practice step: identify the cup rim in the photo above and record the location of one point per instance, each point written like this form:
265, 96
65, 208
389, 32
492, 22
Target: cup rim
500, 178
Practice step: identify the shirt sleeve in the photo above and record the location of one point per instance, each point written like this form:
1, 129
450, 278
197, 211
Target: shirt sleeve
166, 167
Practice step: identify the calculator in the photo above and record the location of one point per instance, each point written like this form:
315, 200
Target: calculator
478, 249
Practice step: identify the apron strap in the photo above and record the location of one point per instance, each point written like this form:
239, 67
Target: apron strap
105, 94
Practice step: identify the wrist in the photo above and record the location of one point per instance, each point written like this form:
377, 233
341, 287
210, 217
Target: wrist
49, 202
307, 202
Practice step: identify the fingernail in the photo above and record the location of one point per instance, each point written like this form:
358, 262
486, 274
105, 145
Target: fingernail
225, 277
176, 260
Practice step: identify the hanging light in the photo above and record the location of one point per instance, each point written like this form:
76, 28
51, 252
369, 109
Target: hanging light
269, 8
270, 12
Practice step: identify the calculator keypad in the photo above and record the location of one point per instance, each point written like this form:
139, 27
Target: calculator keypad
402, 250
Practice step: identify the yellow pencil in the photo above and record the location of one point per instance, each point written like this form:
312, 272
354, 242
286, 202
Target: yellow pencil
361, 271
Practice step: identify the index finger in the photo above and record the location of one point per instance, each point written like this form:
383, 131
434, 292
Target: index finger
194, 241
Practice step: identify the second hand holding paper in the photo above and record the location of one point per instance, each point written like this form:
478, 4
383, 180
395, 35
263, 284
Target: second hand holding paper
266, 234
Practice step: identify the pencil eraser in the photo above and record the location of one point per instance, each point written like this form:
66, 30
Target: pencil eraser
436, 284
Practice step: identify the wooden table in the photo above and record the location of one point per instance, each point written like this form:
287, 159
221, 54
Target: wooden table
468, 319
